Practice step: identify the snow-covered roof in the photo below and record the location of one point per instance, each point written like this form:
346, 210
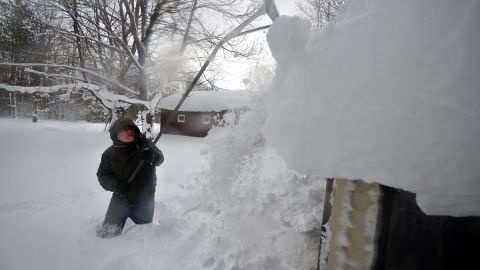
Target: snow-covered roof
207, 101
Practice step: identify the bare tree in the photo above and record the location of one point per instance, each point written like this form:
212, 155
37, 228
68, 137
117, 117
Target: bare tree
117, 37
117, 34
112, 42
201, 34
259, 76
320, 12
24, 38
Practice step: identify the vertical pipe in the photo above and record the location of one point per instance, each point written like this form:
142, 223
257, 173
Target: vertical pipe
11, 105
15, 101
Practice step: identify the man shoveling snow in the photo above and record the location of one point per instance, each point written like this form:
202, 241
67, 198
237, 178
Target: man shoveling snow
134, 200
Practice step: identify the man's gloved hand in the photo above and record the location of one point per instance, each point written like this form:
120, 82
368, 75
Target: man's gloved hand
149, 155
152, 157
121, 188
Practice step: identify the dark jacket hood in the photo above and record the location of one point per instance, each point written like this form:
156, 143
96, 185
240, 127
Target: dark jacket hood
123, 123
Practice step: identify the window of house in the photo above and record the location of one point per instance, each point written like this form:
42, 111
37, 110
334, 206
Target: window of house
206, 120
181, 118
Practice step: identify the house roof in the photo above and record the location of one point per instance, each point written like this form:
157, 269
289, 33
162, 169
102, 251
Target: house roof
207, 101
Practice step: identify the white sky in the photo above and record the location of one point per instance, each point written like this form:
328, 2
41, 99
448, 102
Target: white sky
286, 7
235, 72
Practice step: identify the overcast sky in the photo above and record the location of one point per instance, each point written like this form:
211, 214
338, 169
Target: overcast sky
286, 7
235, 71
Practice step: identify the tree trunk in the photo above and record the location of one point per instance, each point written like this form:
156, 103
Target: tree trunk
143, 79
76, 30
187, 30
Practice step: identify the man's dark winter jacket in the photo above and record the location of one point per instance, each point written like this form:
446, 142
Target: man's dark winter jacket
120, 160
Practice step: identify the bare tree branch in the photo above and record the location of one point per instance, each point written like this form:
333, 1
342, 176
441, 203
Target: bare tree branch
94, 74
320, 12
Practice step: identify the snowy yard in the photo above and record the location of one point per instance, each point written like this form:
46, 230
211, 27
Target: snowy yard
249, 211
389, 93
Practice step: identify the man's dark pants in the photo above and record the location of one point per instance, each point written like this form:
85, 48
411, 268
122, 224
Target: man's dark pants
120, 209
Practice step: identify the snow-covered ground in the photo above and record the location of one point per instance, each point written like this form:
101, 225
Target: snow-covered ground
388, 94
223, 202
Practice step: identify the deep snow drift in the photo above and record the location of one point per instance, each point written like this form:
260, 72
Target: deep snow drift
390, 93
223, 202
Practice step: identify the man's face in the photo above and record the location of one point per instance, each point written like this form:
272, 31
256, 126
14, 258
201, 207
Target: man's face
126, 135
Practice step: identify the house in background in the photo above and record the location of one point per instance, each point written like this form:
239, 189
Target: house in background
203, 110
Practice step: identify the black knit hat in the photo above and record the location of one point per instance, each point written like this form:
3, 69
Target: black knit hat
122, 123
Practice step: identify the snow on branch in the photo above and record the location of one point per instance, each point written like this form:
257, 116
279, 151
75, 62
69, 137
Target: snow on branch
49, 75
92, 73
107, 98
65, 33
154, 102
104, 94
46, 89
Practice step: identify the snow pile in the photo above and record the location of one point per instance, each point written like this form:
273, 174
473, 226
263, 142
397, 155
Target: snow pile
255, 213
207, 101
387, 94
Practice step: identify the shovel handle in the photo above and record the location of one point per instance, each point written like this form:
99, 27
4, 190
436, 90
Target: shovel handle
139, 166
270, 9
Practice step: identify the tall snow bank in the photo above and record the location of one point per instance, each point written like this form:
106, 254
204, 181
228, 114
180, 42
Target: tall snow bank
390, 94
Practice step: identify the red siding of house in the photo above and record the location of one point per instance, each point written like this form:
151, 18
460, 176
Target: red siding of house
193, 124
